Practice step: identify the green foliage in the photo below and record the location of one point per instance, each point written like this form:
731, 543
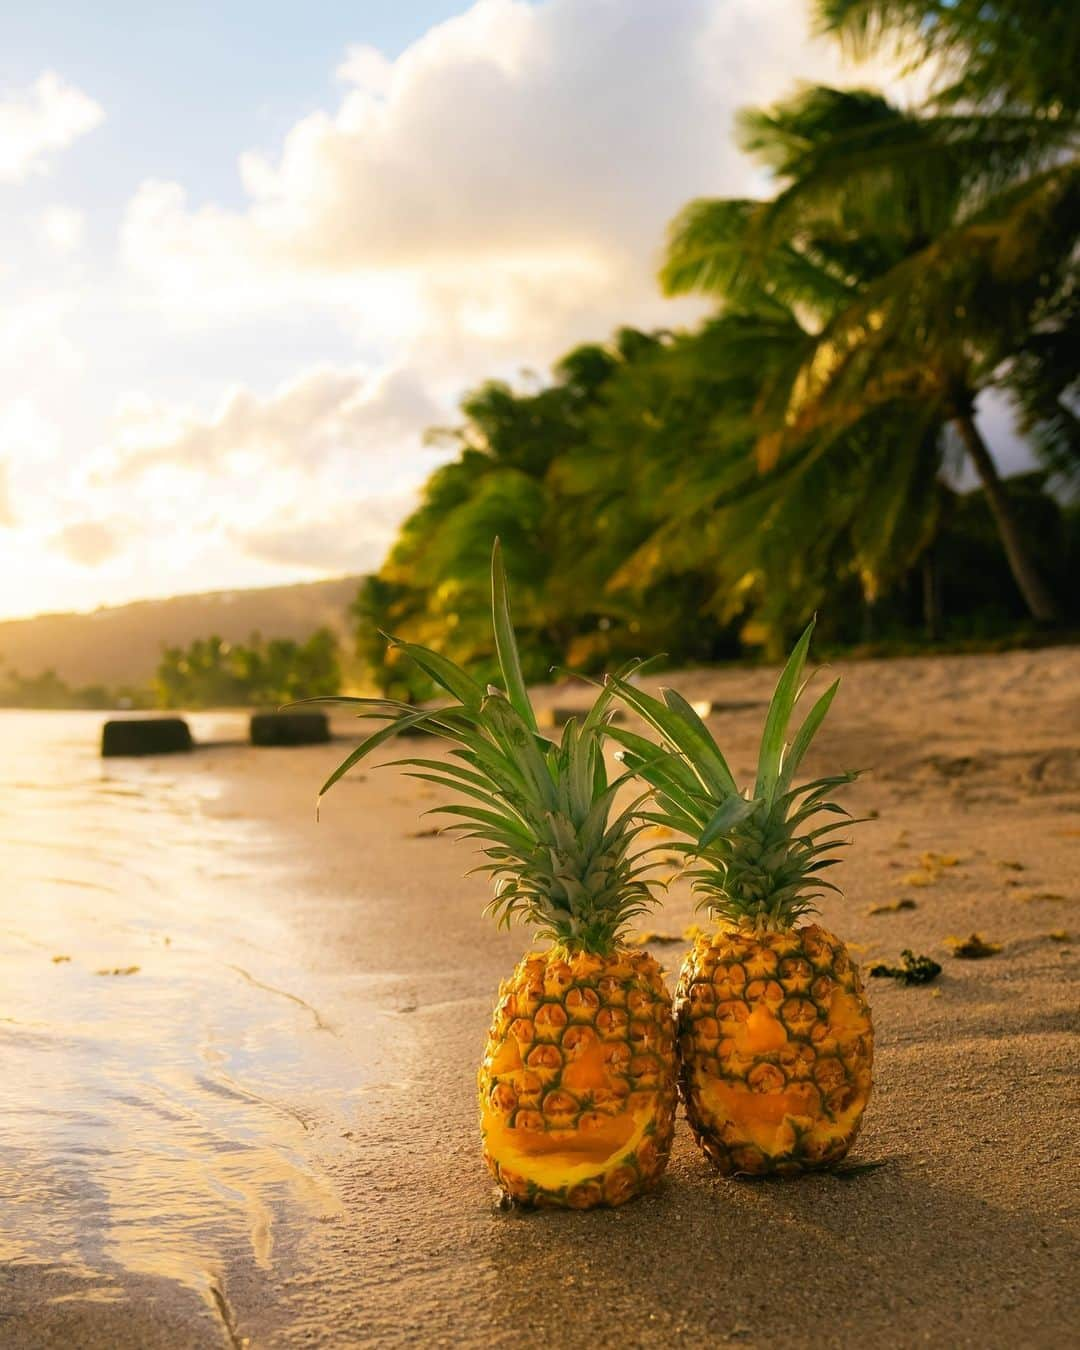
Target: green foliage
1004, 53
213, 673
703, 492
755, 857
928, 257
542, 811
569, 478
48, 690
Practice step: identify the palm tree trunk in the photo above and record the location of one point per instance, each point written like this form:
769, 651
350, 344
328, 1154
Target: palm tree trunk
869, 626
931, 596
1032, 587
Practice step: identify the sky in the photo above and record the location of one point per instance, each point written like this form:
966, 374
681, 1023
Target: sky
250, 252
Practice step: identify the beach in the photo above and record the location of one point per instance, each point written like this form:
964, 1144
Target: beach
239, 1049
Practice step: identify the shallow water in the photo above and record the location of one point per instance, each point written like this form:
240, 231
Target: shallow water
166, 1089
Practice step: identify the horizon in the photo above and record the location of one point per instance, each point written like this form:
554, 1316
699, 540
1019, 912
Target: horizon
209, 375
207, 594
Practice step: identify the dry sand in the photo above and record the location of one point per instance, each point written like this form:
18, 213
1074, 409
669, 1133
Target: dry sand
965, 1235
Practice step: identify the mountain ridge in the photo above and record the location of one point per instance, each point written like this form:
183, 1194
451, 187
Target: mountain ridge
121, 644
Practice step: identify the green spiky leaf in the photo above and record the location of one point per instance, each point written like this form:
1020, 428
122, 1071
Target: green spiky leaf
755, 857
542, 811
778, 717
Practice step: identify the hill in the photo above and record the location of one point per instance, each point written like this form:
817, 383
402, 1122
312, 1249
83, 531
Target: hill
121, 645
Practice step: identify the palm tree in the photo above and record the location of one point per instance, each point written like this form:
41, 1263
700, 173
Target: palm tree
992, 53
684, 441
910, 256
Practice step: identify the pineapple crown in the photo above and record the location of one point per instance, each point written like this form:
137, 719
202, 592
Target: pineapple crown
541, 810
757, 859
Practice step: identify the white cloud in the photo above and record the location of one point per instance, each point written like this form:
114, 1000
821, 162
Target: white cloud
64, 228
322, 416
505, 183
496, 193
368, 68
35, 344
353, 536
40, 121
7, 515
30, 456
314, 476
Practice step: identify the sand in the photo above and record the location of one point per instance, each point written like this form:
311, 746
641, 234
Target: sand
964, 1234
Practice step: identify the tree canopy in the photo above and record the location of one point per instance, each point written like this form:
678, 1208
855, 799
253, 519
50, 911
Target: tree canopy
698, 491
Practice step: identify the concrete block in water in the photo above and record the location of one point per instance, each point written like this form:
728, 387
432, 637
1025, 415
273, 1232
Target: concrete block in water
145, 736
289, 728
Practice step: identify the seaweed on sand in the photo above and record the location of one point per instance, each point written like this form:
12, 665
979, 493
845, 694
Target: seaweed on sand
915, 970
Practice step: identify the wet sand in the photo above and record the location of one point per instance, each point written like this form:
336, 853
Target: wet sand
266, 1135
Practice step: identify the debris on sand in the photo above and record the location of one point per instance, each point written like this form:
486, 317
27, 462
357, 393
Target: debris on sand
935, 862
973, 948
119, 970
845, 1171
915, 970
931, 865
894, 908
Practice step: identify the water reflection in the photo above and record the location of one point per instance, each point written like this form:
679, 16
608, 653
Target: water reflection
167, 1086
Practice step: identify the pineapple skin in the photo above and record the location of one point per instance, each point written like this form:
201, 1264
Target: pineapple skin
777, 1047
578, 1086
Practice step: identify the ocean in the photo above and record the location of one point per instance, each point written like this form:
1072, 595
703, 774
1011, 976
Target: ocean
165, 1093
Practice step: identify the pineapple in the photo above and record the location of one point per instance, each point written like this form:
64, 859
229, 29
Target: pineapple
577, 1086
775, 1035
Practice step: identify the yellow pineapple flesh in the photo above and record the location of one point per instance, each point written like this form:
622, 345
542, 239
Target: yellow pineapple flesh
775, 1036
776, 1047
578, 1083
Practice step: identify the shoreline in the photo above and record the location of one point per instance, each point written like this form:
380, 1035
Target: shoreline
885, 651
383, 971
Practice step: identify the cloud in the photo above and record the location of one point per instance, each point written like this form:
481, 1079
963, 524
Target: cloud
322, 415
41, 121
503, 185
30, 461
352, 537
7, 515
316, 475
496, 193
88, 543
64, 228
368, 67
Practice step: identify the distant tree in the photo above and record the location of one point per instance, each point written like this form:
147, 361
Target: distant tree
45, 690
213, 673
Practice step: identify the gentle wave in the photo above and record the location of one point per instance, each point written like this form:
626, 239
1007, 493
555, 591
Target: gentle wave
164, 1077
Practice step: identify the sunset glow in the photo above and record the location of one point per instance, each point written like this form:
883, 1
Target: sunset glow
219, 347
